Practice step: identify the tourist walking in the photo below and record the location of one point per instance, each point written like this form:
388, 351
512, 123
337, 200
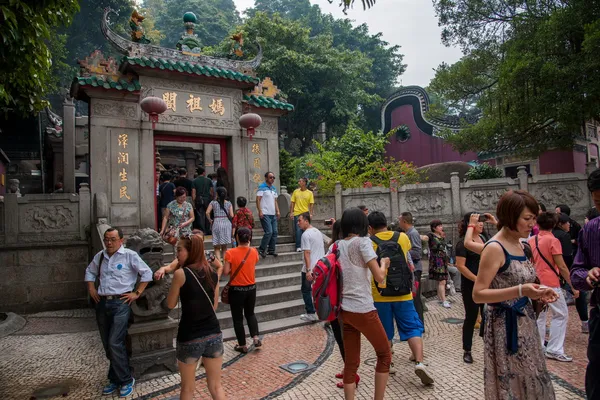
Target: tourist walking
359, 316
178, 217
585, 274
416, 251
166, 194
438, 259
312, 251
201, 198
550, 267
243, 217
117, 270
221, 224
574, 227
199, 334
394, 302
268, 212
183, 181
467, 263
240, 264
514, 364
223, 180
303, 201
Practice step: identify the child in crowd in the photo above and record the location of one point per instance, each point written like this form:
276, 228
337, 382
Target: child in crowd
243, 217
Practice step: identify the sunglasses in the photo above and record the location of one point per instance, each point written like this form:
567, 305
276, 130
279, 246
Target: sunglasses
271, 177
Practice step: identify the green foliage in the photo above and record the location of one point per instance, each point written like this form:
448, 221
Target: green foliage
484, 171
529, 66
216, 18
26, 29
368, 78
287, 170
356, 159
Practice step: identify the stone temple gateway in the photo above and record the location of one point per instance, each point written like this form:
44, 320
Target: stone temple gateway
205, 98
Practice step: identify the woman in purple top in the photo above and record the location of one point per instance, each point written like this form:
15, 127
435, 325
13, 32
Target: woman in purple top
585, 275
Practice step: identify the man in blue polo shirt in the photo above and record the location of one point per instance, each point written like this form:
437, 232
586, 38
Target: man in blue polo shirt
117, 269
268, 211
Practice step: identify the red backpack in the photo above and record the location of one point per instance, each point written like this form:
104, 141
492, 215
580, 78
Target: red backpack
327, 286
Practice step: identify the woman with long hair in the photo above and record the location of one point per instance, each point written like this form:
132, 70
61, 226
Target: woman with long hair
179, 214
359, 315
240, 264
199, 334
438, 259
221, 225
223, 180
514, 364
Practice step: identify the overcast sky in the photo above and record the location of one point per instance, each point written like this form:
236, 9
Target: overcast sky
411, 24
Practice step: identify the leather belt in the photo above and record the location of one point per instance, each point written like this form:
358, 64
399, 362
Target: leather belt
112, 297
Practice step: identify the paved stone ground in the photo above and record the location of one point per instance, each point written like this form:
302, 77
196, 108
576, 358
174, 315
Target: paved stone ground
64, 348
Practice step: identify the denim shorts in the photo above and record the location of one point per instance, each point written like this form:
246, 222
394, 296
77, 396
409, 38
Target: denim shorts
210, 346
404, 313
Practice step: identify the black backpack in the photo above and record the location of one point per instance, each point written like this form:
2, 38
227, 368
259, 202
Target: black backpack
399, 276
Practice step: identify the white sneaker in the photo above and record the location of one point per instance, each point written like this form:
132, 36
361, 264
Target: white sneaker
423, 374
446, 304
559, 357
309, 317
298, 250
585, 328
392, 369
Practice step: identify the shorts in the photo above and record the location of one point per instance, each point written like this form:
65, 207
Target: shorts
407, 320
210, 346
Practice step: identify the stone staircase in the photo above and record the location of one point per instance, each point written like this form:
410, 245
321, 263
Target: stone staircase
278, 299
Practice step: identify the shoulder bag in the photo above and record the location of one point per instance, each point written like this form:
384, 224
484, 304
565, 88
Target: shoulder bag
202, 287
225, 291
562, 281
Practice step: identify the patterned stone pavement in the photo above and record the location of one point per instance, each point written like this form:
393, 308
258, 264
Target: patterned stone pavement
68, 351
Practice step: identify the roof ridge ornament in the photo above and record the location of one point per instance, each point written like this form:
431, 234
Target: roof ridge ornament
138, 49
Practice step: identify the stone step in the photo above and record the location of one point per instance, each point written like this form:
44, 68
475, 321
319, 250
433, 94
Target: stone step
264, 313
268, 327
283, 256
271, 296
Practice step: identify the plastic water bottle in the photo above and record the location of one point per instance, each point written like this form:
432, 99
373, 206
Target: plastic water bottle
234, 243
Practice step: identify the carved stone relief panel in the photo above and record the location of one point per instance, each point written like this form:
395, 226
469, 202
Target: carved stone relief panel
571, 194
38, 218
419, 203
482, 199
324, 207
114, 109
374, 202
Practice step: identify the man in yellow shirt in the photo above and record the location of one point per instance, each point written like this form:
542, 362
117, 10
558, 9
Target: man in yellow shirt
399, 308
302, 201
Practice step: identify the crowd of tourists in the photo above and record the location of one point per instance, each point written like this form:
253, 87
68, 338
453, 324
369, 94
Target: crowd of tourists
511, 283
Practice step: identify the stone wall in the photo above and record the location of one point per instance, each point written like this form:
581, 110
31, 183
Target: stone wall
44, 251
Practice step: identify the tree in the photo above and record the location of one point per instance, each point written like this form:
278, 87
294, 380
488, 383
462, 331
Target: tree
26, 29
215, 19
528, 66
349, 3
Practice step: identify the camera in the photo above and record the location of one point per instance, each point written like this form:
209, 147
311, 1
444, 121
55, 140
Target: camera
329, 221
483, 218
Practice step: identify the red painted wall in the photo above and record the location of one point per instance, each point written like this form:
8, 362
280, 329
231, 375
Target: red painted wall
562, 161
421, 149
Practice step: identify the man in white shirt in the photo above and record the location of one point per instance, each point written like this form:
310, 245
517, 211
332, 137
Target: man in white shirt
313, 250
268, 211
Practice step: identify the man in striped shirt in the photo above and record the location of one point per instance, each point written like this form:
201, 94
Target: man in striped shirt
585, 275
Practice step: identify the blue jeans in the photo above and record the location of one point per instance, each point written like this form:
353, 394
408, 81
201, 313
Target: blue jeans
298, 233
269, 240
112, 317
306, 290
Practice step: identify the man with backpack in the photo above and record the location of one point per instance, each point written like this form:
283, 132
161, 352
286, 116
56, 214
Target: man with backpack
202, 194
394, 299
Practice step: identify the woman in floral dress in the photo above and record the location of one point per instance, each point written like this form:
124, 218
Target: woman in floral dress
438, 259
514, 364
221, 225
178, 215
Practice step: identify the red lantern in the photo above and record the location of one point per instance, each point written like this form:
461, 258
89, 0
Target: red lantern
153, 106
250, 121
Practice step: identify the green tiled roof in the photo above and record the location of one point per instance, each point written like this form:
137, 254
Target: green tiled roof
267, 102
98, 81
190, 68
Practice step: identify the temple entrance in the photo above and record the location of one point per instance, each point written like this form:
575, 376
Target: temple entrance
176, 152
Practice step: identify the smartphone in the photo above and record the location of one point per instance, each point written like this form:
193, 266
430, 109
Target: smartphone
483, 218
328, 222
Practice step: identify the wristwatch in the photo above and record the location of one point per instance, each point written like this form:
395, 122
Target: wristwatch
137, 292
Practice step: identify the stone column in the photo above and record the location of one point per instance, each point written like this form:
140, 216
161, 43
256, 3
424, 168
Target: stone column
455, 186
339, 207
190, 164
11, 218
209, 158
85, 209
147, 175
523, 178
69, 146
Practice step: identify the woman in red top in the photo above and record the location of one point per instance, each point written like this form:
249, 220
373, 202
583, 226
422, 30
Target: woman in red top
240, 262
243, 217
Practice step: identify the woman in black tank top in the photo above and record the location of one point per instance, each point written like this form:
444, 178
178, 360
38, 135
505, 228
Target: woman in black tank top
199, 334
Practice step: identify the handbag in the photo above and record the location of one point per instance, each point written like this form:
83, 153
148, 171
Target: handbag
225, 291
202, 287
170, 236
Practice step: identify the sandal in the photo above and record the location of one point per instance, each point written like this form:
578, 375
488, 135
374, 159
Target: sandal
257, 343
241, 349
